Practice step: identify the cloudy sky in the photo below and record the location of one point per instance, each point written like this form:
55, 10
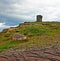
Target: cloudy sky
13, 12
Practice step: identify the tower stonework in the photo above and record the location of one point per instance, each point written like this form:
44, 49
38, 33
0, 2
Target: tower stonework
39, 18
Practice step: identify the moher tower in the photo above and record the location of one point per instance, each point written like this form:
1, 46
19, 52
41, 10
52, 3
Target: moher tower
39, 18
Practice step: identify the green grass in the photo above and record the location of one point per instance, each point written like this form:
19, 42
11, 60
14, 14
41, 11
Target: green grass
39, 33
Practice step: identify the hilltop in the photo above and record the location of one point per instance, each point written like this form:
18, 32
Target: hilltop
39, 34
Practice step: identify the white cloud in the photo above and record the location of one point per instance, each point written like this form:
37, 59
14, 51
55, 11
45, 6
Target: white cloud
28, 9
3, 26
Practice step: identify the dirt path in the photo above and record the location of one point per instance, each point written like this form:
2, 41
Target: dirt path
44, 54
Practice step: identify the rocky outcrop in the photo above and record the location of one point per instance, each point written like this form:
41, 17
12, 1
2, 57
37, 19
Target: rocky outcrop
44, 54
19, 37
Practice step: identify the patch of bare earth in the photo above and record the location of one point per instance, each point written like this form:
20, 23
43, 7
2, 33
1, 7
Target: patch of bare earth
51, 53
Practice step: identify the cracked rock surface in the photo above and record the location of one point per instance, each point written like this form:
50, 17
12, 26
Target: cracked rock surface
40, 54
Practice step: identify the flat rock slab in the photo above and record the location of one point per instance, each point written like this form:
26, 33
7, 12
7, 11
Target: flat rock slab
41, 54
19, 37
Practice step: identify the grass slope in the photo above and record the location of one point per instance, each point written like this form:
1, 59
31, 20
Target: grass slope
39, 34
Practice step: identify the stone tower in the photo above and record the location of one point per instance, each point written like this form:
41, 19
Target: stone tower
39, 18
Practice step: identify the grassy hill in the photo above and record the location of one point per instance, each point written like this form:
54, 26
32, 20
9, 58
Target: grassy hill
39, 34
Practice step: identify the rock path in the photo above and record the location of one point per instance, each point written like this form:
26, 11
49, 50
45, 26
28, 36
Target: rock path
43, 54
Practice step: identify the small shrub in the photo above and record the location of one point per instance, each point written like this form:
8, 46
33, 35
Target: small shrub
7, 35
17, 30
